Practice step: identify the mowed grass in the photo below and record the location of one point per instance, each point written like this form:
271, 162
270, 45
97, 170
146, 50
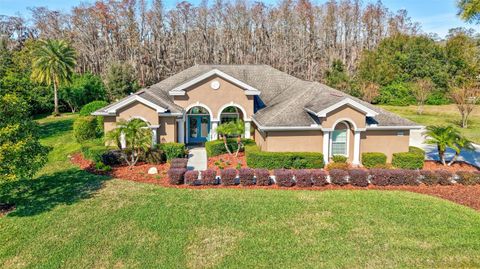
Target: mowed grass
442, 115
68, 218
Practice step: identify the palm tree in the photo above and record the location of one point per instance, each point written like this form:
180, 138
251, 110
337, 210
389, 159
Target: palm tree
53, 64
229, 129
137, 137
443, 137
461, 143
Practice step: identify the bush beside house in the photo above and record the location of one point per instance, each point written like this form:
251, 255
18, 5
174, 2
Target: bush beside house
288, 160
373, 159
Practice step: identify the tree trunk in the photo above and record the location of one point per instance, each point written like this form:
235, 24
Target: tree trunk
226, 144
464, 121
454, 158
441, 153
56, 113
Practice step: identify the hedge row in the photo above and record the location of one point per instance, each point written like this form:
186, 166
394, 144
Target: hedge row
317, 177
217, 147
413, 159
288, 160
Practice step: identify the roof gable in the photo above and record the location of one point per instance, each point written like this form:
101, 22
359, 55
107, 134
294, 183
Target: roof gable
112, 110
347, 101
180, 89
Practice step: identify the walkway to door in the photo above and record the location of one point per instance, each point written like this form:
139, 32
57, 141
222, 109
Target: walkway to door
197, 158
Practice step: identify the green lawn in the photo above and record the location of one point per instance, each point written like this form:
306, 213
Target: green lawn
69, 218
444, 115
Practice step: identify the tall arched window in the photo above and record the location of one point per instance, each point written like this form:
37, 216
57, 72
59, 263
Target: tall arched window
340, 139
229, 114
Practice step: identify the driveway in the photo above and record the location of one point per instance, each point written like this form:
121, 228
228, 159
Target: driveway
417, 139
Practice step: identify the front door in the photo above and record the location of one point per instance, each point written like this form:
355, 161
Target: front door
198, 128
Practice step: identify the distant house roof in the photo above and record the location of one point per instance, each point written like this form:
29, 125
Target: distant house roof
289, 101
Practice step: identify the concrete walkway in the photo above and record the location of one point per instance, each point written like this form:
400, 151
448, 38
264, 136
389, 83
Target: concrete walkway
197, 159
417, 139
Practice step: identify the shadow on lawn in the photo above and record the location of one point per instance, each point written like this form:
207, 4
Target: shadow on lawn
55, 128
39, 195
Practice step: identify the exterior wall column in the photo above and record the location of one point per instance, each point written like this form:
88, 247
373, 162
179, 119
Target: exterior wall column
181, 130
247, 129
154, 135
356, 148
326, 146
213, 131
123, 142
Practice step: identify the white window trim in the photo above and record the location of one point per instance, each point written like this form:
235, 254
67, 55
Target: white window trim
180, 90
347, 143
131, 99
369, 112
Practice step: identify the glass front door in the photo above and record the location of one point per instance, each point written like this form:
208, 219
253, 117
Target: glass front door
198, 128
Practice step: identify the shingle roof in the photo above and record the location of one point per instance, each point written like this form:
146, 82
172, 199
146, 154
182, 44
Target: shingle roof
286, 98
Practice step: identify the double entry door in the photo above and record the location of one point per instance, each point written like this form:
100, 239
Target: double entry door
198, 128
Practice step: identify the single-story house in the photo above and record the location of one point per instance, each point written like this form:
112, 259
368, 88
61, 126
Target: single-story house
280, 112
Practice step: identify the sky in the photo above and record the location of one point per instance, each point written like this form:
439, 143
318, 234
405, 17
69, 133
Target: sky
435, 16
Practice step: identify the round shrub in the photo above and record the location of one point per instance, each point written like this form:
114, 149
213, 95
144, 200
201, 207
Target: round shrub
85, 128
191, 178
340, 166
411, 177
468, 178
209, 177
358, 177
429, 177
380, 177
444, 177
172, 150
408, 160
339, 159
338, 177
179, 163
246, 176
113, 157
176, 175
374, 159
319, 177
91, 107
262, 177
284, 177
303, 178
228, 176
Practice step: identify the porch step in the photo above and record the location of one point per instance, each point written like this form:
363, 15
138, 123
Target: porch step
197, 159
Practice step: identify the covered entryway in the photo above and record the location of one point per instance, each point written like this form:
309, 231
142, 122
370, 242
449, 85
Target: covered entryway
198, 125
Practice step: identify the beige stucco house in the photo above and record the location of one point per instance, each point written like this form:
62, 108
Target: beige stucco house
281, 112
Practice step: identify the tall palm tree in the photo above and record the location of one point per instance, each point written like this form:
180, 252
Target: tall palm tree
461, 143
53, 63
443, 137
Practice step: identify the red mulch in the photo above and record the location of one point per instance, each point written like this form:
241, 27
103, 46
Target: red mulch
457, 166
465, 195
225, 161
6, 208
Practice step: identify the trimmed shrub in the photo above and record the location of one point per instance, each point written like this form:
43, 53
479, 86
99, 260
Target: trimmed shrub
172, 150
154, 156
262, 177
340, 166
91, 107
179, 163
338, 177
176, 175
444, 177
246, 176
85, 128
285, 160
339, 159
284, 177
191, 178
209, 177
217, 147
416, 150
228, 176
358, 177
319, 177
380, 177
100, 166
411, 177
468, 178
373, 159
408, 160
303, 178
429, 177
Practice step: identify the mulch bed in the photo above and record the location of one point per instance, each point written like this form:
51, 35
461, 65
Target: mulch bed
6, 208
465, 195
225, 161
456, 166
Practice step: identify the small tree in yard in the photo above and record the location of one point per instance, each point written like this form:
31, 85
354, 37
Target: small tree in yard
461, 143
447, 136
232, 129
421, 89
370, 91
137, 137
465, 98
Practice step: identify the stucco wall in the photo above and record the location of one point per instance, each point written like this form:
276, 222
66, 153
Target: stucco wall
386, 141
109, 123
260, 139
137, 109
215, 99
294, 141
167, 132
344, 112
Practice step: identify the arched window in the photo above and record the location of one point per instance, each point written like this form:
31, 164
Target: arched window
340, 139
198, 110
229, 114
